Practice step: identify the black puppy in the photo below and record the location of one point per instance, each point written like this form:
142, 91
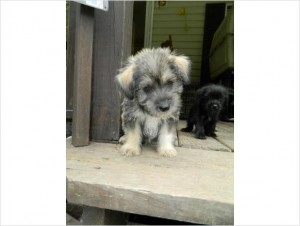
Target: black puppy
205, 112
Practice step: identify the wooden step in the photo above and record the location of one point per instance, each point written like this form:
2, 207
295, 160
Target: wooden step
223, 141
195, 186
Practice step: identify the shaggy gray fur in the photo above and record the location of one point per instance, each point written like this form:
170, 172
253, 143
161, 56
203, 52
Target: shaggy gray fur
152, 83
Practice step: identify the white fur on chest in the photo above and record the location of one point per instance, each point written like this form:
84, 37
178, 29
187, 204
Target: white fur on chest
151, 127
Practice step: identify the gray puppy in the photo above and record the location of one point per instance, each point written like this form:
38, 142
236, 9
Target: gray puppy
152, 83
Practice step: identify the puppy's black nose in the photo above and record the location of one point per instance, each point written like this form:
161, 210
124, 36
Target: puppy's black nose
164, 108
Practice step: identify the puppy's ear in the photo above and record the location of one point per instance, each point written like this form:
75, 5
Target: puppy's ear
124, 81
181, 66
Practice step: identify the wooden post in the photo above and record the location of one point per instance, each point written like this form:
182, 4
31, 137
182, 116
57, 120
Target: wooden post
84, 32
112, 45
74, 9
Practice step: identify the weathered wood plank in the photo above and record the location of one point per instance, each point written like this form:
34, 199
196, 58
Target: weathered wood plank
82, 75
188, 140
225, 134
73, 10
195, 186
112, 45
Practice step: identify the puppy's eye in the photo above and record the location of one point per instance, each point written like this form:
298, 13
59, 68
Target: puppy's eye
147, 89
172, 67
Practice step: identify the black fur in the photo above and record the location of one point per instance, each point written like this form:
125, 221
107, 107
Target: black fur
206, 109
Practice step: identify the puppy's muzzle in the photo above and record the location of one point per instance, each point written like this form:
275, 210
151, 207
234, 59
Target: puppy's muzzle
163, 106
215, 107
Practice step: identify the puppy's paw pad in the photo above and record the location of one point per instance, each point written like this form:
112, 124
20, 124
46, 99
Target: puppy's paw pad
167, 152
129, 150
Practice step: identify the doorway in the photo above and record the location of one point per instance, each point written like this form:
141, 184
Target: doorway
138, 26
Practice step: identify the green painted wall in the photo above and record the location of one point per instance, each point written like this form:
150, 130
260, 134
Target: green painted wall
186, 30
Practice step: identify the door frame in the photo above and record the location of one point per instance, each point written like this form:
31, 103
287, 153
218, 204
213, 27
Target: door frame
148, 24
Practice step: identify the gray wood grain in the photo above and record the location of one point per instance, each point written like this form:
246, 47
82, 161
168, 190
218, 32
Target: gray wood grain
188, 140
225, 134
82, 75
195, 186
73, 10
112, 45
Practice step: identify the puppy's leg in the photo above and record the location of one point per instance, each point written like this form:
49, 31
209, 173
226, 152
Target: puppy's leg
189, 126
132, 145
166, 139
210, 129
122, 139
200, 132
191, 120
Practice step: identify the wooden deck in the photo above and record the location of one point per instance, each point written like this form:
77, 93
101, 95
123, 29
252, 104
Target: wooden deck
223, 141
195, 186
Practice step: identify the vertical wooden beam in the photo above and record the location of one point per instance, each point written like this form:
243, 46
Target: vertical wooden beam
74, 9
112, 45
84, 34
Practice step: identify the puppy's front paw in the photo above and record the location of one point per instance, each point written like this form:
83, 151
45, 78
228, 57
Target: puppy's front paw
167, 152
130, 150
200, 136
214, 135
122, 139
186, 129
